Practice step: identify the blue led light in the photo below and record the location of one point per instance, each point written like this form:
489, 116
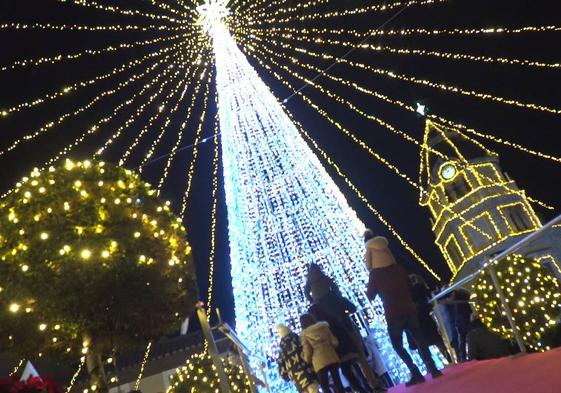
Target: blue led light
284, 212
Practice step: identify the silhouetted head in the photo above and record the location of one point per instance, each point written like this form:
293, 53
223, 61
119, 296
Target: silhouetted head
368, 234
307, 320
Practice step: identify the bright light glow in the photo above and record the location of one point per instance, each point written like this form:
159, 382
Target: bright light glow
86, 254
211, 13
284, 212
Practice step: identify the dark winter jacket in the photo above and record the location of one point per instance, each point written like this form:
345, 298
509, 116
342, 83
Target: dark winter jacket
292, 366
484, 344
393, 285
318, 285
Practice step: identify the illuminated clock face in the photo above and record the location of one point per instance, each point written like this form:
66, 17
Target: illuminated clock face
448, 171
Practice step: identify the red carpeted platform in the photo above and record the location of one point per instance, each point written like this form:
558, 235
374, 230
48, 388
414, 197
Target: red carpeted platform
536, 373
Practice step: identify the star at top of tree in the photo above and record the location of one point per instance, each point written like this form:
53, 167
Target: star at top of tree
212, 12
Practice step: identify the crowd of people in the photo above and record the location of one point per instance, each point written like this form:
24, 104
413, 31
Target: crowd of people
330, 343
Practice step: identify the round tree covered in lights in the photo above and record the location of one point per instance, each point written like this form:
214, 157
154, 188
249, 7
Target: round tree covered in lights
199, 375
90, 261
532, 294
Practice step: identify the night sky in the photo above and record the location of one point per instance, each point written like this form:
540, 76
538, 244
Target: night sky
397, 200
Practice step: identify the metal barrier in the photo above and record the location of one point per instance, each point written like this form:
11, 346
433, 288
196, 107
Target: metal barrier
243, 352
489, 267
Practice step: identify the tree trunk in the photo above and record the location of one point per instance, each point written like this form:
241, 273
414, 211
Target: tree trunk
94, 364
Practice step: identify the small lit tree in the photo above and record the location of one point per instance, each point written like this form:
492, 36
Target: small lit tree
532, 294
199, 375
90, 261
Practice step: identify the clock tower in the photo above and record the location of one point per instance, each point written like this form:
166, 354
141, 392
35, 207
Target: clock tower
476, 209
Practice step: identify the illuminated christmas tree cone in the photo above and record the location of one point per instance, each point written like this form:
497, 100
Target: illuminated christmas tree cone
284, 211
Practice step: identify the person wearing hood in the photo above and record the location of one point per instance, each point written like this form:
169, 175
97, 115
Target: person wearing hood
292, 366
319, 349
391, 282
319, 285
483, 344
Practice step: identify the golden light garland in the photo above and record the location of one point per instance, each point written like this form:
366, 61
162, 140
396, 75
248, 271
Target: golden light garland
363, 145
75, 376
143, 366
420, 52
412, 109
355, 11
16, 368
83, 84
408, 31
212, 253
93, 129
193, 163
86, 52
118, 10
168, 118
183, 127
425, 82
140, 109
47, 126
65, 27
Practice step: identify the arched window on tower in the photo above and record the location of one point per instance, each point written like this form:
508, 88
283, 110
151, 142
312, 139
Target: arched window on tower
517, 217
457, 188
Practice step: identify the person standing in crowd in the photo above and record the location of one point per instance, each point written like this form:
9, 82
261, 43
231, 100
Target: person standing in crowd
319, 349
421, 294
391, 282
319, 286
324, 293
292, 366
483, 344
347, 351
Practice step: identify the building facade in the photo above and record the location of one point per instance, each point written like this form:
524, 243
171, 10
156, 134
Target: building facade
477, 210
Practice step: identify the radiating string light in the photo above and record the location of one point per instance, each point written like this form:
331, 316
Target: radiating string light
153, 118
87, 52
367, 148
75, 376
143, 366
369, 116
193, 163
495, 138
119, 10
412, 109
192, 51
91, 28
140, 110
425, 82
167, 120
183, 127
287, 30
83, 84
93, 129
16, 368
421, 52
164, 6
354, 11
63, 117
212, 252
